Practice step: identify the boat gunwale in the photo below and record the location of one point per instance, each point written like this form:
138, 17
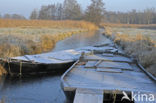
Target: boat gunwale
31, 62
64, 74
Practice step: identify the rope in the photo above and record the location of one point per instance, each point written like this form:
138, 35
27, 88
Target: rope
20, 73
114, 97
9, 67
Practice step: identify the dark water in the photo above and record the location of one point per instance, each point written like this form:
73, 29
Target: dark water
45, 89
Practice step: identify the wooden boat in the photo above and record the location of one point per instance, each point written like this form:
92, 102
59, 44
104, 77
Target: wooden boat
40, 63
105, 77
49, 62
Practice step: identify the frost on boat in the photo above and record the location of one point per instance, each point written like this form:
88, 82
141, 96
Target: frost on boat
97, 77
49, 62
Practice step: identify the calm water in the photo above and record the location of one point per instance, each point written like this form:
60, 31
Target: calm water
45, 89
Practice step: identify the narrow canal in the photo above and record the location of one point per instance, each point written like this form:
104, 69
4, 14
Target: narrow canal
45, 89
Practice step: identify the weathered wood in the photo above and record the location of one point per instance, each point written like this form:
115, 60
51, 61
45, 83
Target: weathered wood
109, 70
97, 63
90, 64
108, 55
102, 72
114, 65
88, 96
107, 58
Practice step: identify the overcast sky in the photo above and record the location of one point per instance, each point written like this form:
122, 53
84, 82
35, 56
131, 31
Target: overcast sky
24, 7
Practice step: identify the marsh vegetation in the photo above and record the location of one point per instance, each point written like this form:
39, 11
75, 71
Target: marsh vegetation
139, 43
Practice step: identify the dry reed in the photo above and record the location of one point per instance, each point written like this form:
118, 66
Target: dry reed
138, 46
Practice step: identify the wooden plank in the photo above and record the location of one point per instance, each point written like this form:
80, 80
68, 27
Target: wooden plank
107, 58
117, 65
90, 64
108, 55
98, 63
88, 96
109, 70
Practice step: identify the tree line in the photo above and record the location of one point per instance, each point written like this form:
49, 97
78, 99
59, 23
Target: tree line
12, 16
71, 10
148, 16
95, 12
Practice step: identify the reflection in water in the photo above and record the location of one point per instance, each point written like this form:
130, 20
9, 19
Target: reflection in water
81, 40
45, 89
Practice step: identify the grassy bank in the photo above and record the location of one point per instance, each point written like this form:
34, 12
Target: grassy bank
144, 26
139, 43
20, 37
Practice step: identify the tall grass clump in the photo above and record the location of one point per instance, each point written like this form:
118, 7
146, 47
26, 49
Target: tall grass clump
138, 46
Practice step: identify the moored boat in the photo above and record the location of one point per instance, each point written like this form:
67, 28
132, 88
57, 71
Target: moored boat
106, 77
48, 62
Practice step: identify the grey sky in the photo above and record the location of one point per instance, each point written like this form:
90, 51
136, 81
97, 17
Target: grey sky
24, 7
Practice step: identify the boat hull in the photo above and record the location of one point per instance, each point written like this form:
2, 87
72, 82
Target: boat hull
16, 68
69, 96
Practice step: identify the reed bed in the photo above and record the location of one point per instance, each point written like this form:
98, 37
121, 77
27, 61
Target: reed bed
21, 37
139, 45
9, 23
145, 26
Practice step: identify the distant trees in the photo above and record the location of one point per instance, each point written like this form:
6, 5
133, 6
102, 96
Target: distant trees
148, 16
95, 11
70, 9
17, 16
13, 16
51, 12
7, 16
45, 13
149, 13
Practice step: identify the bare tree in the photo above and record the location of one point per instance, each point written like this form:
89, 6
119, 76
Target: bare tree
59, 11
43, 13
95, 11
34, 14
72, 10
149, 15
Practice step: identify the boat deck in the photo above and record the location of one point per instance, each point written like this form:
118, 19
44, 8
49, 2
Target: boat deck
108, 73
